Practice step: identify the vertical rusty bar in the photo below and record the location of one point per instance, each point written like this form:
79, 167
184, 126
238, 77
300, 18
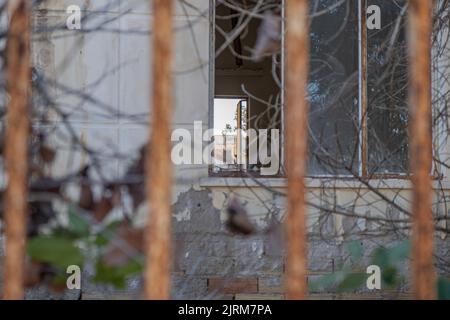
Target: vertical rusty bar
159, 177
297, 69
420, 25
16, 149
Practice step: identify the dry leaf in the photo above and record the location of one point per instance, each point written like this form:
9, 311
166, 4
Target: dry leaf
33, 273
47, 154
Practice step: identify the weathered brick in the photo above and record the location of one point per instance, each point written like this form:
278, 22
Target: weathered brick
106, 296
232, 286
188, 287
253, 247
270, 285
212, 266
321, 296
324, 256
313, 279
259, 297
358, 296
258, 266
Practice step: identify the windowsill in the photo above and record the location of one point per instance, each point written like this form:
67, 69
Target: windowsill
316, 182
242, 182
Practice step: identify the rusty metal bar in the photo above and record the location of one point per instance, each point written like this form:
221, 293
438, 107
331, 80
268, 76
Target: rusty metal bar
16, 149
420, 25
159, 177
296, 119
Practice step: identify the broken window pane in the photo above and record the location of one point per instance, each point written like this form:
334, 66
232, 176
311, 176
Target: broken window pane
387, 77
333, 88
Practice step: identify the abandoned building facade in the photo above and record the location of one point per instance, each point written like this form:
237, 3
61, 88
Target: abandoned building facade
358, 186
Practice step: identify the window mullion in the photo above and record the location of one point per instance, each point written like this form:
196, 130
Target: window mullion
362, 87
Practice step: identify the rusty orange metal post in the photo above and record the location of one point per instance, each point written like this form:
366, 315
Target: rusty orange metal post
297, 69
16, 150
159, 177
423, 273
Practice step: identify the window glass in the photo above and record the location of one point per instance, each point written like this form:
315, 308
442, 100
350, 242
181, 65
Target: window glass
333, 88
352, 131
387, 77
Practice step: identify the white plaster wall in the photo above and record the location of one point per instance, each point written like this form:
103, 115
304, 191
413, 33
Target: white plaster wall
122, 60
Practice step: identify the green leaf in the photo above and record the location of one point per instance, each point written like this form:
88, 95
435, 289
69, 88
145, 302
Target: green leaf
101, 241
328, 281
443, 289
355, 249
116, 276
58, 251
400, 251
381, 257
387, 257
389, 276
77, 224
352, 282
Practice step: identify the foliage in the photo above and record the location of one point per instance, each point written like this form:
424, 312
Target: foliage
387, 258
443, 289
351, 278
76, 243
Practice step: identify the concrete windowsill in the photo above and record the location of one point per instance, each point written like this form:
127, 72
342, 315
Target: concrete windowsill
326, 182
